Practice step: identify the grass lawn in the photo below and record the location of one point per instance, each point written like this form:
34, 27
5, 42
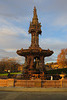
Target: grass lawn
5, 74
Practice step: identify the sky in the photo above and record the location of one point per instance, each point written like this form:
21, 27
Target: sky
15, 17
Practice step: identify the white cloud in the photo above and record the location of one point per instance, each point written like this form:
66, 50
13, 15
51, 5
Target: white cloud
12, 36
11, 29
52, 58
14, 16
53, 44
61, 20
6, 54
8, 31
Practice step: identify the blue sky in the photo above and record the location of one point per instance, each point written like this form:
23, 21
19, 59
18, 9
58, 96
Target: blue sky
15, 17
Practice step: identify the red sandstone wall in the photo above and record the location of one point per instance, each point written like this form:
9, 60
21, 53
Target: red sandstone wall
20, 83
28, 83
64, 83
33, 83
10, 82
6, 82
53, 83
3, 82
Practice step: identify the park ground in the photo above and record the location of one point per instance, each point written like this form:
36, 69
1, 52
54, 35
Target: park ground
3, 74
33, 95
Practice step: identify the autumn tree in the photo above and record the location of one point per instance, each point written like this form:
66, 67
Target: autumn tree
9, 64
2, 66
62, 58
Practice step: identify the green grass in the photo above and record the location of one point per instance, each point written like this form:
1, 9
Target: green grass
5, 74
16, 73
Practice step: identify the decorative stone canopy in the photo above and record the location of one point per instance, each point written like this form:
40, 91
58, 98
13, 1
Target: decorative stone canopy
35, 26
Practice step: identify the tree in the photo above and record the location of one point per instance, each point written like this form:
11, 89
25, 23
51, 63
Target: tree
62, 58
9, 64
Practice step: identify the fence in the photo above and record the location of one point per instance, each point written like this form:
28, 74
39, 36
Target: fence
33, 83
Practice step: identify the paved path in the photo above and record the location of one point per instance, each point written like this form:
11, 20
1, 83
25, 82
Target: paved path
21, 89
33, 95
